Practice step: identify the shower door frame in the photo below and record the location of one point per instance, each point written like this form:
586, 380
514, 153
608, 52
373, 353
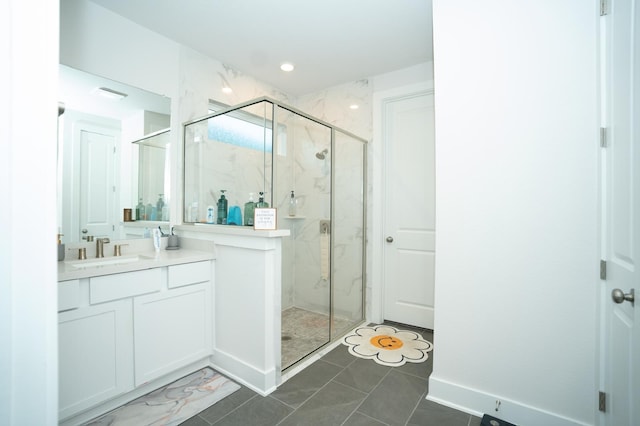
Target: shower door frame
274, 178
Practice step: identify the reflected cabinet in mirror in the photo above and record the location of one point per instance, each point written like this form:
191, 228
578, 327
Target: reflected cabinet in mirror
100, 171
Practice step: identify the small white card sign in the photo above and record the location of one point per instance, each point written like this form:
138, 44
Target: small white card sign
264, 219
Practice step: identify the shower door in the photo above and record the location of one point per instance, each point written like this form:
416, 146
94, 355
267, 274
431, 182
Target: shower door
348, 238
303, 158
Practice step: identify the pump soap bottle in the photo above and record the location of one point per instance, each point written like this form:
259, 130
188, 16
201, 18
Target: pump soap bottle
60, 248
292, 204
249, 208
222, 208
140, 210
262, 204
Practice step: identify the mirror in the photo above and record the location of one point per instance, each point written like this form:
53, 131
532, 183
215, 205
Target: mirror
153, 177
98, 165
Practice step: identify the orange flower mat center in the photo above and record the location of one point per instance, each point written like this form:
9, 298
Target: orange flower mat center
383, 341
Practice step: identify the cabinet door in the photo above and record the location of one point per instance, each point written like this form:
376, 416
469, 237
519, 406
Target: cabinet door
95, 355
171, 329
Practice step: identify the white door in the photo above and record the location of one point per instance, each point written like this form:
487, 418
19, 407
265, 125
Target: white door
409, 213
97, 182
621, 354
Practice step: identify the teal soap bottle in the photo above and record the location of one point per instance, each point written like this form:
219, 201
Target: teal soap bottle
222, 209
249, 209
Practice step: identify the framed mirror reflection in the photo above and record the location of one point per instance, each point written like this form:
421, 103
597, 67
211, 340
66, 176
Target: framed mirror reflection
99, 169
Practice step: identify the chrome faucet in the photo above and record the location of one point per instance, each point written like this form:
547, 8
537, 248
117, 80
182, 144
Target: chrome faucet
100, 242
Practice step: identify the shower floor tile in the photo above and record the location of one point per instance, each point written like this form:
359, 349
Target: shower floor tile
304, 331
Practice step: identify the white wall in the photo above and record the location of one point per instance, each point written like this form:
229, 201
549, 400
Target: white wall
516, 172
28, 298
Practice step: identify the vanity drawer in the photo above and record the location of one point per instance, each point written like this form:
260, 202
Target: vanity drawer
118, 286
189, 273
68, 295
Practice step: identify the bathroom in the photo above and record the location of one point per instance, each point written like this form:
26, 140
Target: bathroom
472, 91
328, 164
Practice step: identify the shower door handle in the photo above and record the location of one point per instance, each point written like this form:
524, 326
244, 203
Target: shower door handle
389, 239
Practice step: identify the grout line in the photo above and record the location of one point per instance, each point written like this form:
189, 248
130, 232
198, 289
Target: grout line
416, 407
311, 396
234, 410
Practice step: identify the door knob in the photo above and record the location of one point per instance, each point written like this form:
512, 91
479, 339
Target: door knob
618, 296
389, 239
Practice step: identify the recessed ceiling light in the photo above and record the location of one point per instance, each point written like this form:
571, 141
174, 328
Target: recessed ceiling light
109, 93
226, 89
354, 106
287, 67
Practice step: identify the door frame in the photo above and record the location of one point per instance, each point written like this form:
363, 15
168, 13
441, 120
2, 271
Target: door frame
376, 154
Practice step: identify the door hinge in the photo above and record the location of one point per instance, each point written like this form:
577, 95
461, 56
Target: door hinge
602, 402
603, 7
603, 137
603, 269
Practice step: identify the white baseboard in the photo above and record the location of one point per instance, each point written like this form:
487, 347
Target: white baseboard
262, 382
478, 403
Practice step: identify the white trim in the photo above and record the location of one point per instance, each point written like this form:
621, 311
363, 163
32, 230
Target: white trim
475, 402
376, 155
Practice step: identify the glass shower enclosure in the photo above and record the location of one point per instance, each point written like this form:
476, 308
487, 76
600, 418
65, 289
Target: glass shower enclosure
264, 151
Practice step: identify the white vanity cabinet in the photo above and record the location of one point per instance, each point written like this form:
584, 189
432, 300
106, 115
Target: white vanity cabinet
95, 348
173, 328
121, 331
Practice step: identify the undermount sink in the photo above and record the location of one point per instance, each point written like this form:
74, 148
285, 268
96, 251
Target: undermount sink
116, 260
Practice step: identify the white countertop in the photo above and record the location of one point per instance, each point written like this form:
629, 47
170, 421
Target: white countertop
149, 260
195, 251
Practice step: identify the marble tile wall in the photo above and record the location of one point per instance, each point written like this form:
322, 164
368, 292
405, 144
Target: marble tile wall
201, 79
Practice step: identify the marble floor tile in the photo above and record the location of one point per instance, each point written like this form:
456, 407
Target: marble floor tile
172, 404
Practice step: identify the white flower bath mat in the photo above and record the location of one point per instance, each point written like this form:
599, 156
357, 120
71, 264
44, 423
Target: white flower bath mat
387, 345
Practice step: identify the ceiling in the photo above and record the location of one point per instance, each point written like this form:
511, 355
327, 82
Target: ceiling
77, 91
330, 42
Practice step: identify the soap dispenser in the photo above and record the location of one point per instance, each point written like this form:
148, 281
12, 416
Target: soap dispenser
160, 207
222, 208
249, 208
60, 248
140, 210
292, 204
262, 204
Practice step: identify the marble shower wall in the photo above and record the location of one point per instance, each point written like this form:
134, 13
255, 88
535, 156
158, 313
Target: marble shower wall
302, 285
201, 79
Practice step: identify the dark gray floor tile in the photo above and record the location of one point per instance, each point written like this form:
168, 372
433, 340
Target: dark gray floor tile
359, 419
259, 411
420, 369
339, 356
300, 387
395, 398
194, 421
475, 421
431, 413
332, 405
228, 404
363, 374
